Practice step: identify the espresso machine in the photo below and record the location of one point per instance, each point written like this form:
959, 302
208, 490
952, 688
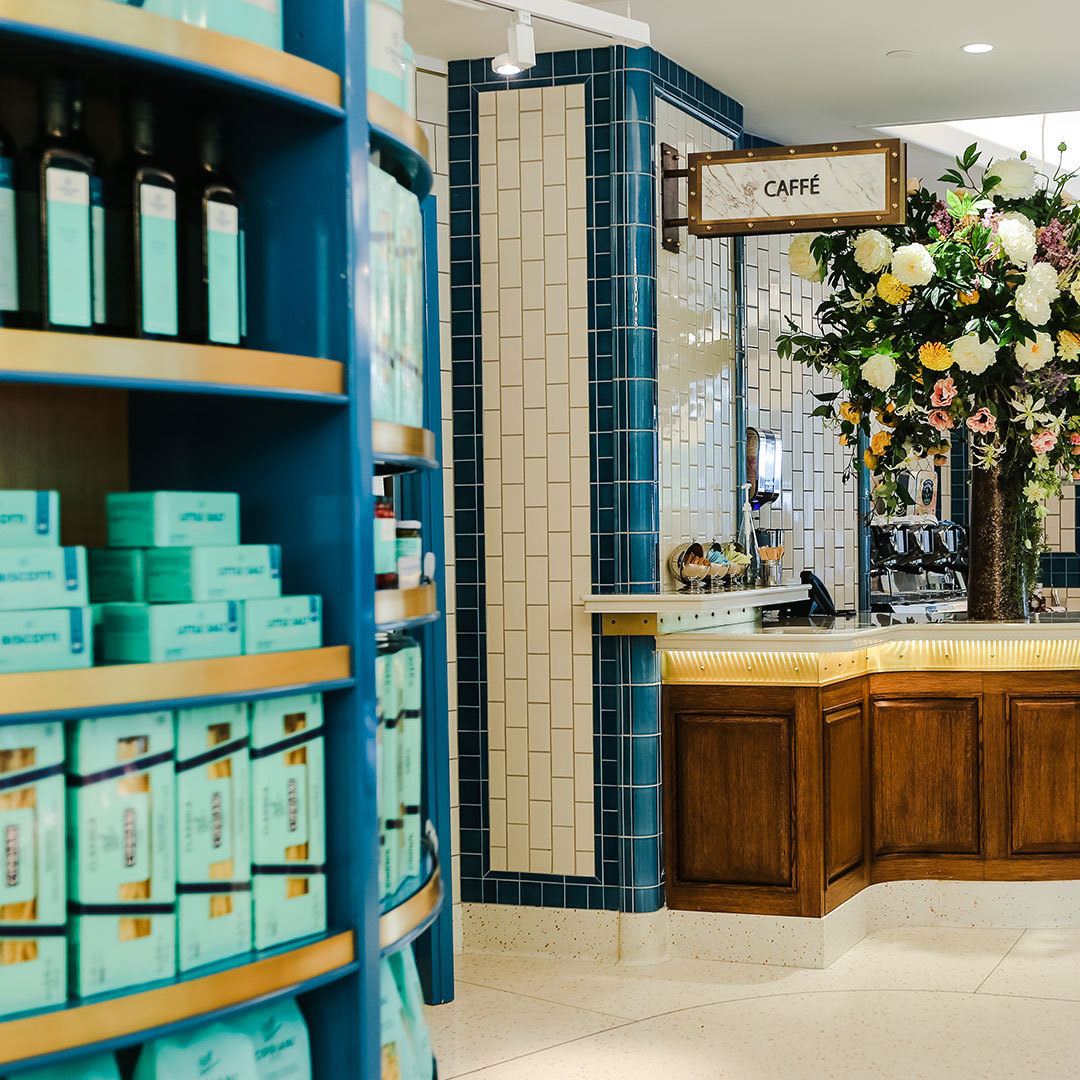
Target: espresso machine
918, 565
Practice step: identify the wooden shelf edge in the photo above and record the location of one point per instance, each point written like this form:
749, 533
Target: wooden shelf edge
399, 444
58, 355
396, 606
104, 24
391, 122
26, 693
128, 1014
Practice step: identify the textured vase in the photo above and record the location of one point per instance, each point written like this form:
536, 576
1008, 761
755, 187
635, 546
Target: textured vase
996, 587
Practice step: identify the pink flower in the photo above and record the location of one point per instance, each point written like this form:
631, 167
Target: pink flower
940, 419
944, 392
982, 421
1042, 442
1074, 438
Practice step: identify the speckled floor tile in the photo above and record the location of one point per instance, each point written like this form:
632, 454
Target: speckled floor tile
482, 1026
884, 1035
1044, 963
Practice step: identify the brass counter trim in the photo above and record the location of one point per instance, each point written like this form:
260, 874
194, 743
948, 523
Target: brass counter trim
765, 668
399, 922
119, 25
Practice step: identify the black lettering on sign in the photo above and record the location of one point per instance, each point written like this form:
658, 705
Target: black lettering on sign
797, 185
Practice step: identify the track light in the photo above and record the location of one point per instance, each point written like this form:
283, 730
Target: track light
520, 52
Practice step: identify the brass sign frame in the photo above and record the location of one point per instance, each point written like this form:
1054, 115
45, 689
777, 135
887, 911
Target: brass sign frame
894, 161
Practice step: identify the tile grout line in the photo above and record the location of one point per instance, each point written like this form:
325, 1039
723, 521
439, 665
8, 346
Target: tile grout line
1002, 960
548, 1001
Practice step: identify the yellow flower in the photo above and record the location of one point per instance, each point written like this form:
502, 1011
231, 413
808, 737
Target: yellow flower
1069, 345
880, 443
870, 461
892, 290
884, 416
843, 440
940, 459
964, 298
849, 412
935, 356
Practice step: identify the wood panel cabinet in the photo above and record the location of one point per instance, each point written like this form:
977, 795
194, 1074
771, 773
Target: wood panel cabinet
789, 800
1044, 776
924, 776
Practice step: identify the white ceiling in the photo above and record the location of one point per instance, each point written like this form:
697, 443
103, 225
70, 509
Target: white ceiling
809, 70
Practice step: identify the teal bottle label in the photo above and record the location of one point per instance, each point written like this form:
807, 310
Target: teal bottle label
67, 216
223, 272
157, 227
97, 234
385, 546
9, 276
243, 284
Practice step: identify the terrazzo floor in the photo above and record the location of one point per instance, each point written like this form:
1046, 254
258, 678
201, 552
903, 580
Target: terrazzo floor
914, 1003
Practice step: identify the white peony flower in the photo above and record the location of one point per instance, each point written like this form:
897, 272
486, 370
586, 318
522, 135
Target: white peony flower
1017, 179
1016, 235
972, 355
1034, 355
873, 251
1068, 346
913, 264
801, 259
880, 371
1039, 290
1074, 288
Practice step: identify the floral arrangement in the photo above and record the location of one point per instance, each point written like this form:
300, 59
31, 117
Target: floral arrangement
966, 318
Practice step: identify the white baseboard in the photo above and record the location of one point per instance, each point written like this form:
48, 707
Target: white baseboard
611, 937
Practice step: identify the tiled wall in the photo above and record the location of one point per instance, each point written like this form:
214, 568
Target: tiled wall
696, 363
818, 509
534, 304
431, 112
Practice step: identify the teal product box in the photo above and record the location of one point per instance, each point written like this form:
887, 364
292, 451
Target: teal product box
146, 519
288, 818
398, 1051
259, 21
209, 1052
158, 633
279, 1036
409, 306
213, 834
29, 518
33, 887
407, 675
52, 640
91, 1067
117, 575
390, 820
385, 50
283, 624
407, 980
121, 851
32, 578
384, 380
198, 574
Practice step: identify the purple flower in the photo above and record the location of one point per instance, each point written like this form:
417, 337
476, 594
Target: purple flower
941, 219
1053, 245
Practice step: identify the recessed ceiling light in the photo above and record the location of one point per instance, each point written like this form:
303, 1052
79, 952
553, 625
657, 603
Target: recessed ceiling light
978, 47
900, 54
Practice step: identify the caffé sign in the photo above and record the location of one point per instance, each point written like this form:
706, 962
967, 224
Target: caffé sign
796, 188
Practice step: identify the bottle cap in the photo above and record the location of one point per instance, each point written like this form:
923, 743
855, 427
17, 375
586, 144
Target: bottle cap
409, 525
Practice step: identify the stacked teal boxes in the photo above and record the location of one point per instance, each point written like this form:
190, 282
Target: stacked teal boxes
288, 818
213, 834
121, 851
33, 898
177, 584
45, 620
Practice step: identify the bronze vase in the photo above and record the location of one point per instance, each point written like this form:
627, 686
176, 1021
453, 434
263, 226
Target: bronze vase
996, 587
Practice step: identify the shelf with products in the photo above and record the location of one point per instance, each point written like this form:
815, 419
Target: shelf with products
123, 1019
416, 904
120, 33
130, 363
399, 448
129, 688
402, 609
403, 144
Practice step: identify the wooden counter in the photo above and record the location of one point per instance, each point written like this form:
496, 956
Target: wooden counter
793, 781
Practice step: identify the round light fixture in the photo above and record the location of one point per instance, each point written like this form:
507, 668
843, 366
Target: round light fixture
978, 47
503, 65
900, 54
